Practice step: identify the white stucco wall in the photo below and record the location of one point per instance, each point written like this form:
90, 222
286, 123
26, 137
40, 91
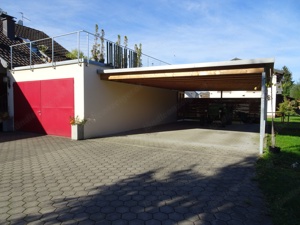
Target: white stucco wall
112, 107
109, 107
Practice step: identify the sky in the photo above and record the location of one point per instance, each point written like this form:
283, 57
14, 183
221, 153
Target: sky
179, 31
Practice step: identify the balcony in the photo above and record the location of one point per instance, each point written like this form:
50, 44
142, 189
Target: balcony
81, 46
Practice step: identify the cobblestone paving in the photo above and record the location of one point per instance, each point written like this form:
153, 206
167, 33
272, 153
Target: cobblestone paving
161, 177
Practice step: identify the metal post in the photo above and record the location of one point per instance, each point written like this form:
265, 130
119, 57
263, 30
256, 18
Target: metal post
88, 48
78, 45
52, 51
30, 55
262, 113
11, 58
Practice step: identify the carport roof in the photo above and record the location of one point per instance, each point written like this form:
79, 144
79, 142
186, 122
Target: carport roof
220, 76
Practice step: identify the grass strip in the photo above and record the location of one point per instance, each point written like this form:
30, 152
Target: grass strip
278, 174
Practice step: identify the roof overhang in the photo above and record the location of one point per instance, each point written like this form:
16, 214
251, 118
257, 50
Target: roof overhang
214, 76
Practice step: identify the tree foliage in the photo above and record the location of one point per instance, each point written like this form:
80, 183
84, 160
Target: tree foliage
287, 107
118, 42
295, 91
74, 54
125, 41
98, 48
138, 50
287, 81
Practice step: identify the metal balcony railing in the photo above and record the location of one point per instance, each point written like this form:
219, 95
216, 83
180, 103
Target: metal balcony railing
78, 45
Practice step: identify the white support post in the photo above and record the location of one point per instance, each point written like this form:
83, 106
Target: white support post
262, 113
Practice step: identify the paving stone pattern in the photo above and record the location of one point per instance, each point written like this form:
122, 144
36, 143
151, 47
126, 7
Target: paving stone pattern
161, 177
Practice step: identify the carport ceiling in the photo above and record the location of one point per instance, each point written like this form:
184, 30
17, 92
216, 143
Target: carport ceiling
216, 76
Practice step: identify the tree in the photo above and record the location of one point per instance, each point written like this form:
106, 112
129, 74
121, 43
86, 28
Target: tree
98, 49
118, 42
102, 48
125, 41
287, 81
295, 91
74, 54
125, 58
138, 50
95, 49
287, 107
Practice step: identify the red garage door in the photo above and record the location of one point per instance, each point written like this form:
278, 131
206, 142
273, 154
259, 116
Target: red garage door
44, 106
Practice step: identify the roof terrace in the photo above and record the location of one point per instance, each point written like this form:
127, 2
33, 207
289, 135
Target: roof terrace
80, 45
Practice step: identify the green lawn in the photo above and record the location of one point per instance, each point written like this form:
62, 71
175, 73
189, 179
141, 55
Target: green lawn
278, 180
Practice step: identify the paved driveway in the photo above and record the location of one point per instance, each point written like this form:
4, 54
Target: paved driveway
160, 176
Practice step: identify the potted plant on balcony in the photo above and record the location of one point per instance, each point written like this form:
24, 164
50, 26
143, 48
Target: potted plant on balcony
102, 46
98, 48
42, 48
77, 128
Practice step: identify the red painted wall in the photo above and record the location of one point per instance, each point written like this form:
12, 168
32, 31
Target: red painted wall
27, 107
44, 106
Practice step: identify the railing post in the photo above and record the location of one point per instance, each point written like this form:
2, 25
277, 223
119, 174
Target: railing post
11, 58
30, 55
52, 51
78, 45
88, 48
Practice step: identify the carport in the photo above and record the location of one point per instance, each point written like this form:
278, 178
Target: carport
236, 75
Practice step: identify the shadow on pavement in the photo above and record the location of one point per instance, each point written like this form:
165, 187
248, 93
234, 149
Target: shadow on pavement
230, 196
17, 135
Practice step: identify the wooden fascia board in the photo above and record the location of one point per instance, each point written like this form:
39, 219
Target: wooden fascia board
236, 64
169, 74
201, 83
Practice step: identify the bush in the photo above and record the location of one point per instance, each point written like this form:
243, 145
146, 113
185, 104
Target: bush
288, 107
74, 54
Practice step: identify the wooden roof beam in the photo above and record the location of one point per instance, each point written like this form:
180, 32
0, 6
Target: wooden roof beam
166, 74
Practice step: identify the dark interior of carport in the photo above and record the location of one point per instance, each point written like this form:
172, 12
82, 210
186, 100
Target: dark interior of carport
237, 75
